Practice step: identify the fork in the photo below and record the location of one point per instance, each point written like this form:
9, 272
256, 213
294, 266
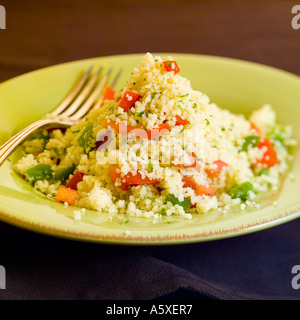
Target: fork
84, 95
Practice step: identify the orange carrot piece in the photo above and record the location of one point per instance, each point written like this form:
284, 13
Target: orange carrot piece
258, 130
108, 94
66, 195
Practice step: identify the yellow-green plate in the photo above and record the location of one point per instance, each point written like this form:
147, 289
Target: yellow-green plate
237, 85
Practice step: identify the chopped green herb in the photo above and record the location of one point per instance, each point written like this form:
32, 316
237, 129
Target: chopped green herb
194, 105
150, 166
62, 174
169, 221
149, 198
39, 172
186, 203
278, 133
207, 122
76, 131
264, 171
125, 221
163, 210
185, 95
250, 142
140, 114
86, 137
242, 191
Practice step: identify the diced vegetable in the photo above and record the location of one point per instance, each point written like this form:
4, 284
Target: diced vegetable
181, 122
254, 127
185, 204
199, 189
189, 161
278, 133
269, 158
108, 94
77, 177
215, 172
250, 142
62, 174
120, 127
39, 172
86, 137
242, 191
263, 171
159, 131
66, 195
150, 166
130, 180
129, 99
171, 65
189, 182
205, 190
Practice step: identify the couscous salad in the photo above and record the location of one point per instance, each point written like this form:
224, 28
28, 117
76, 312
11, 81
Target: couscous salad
159, 147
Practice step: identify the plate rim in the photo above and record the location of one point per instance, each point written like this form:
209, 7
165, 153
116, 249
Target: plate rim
127, 239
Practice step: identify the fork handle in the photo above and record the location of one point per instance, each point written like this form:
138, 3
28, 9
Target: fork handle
7, 148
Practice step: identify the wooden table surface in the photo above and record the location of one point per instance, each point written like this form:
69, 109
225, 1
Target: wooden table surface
47, 32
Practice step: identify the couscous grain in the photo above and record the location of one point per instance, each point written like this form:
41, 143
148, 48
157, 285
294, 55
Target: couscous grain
159, 147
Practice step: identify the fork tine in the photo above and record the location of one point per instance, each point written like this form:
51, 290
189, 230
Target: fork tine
82, 111
116, 78
82, 96
71, 96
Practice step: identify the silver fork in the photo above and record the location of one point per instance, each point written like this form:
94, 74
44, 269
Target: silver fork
74, 107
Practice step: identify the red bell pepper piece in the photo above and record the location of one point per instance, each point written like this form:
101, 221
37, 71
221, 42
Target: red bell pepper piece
77, 177
181, 122
214, 172
130, 180
269, 158
129, 99
171, 65
199, 189
120, 127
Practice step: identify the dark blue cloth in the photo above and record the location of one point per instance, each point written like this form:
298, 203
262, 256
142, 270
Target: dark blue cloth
254, 266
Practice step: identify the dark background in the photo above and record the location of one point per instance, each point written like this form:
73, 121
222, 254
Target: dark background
42, 33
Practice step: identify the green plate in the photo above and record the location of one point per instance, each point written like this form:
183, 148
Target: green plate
236, 85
